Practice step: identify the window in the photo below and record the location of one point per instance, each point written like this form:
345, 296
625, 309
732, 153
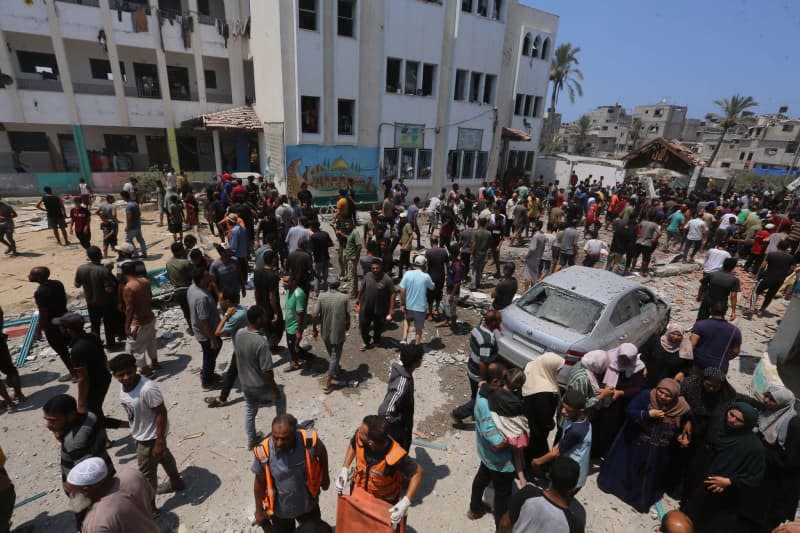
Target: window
461, 85
38, 63
528, 105
627, 308
101, 69
658, 113
475, 87
750, 156
307, 14
538, 103
407, 163
537, 47
520, 100
413, 164
604, 128
653, 129
390, 162
498, 6
121, 144
481, 165
211, 79
453, 159
28, 141
309, 112
512, 159
178, 78
788, 127
347, 112
529, 161
483, 7
393, 75
741, 156
345, 17
146, 80
526, 45
488, 88
424, 166
466, 5
412, 75
428, 75
468, 165
791, 147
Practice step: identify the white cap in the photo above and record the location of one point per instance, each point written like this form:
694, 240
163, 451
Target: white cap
420, 260
88, 472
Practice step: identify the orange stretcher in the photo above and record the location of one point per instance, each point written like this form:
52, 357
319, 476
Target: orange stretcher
360, 511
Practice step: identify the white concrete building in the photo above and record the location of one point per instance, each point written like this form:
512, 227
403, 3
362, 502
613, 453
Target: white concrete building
366, 89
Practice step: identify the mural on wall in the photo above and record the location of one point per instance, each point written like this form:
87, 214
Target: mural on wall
327, 169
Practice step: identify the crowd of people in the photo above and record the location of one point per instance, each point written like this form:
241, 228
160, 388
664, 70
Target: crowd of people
660, 418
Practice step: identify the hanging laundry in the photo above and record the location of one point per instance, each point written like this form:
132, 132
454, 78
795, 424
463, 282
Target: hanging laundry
225, 33
187, 26
218, 23
139, 18
247, 28
119, 12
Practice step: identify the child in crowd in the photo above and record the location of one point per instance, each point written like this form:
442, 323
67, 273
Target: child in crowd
109, 227
175, 220
508, 414
455, 275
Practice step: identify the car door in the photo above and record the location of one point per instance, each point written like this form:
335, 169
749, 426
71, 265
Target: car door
648, 311
626, 319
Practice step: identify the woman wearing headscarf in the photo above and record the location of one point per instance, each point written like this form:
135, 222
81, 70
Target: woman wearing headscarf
540, 394
719, 502
586, 377
779, 426
623, 380
637, 465
667, 356
708, 397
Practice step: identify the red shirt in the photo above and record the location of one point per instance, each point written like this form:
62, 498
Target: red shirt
80, 219
559, 199
239, 189
759, 242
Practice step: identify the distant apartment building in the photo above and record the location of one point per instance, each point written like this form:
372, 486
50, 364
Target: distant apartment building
660, 120
762, 144
606, 136
313, 91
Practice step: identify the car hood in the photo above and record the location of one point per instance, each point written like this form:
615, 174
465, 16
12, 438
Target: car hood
544, 335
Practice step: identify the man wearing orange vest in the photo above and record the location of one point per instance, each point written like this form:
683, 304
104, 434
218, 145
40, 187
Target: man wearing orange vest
381, 466
284, 490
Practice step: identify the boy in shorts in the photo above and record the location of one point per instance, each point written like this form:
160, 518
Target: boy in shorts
109, 227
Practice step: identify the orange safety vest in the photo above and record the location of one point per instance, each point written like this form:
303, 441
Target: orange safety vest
379, 480
313, 468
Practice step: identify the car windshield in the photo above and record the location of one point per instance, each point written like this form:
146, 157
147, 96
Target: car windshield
567, 309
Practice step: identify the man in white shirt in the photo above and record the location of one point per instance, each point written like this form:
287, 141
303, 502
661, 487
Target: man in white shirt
696, 230
716, 256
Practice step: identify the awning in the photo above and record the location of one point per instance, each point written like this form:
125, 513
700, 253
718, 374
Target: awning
513, 134
242, 118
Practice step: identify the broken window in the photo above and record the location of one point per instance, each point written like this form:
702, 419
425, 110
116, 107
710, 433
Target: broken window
309, 111
658, 113
428, 75
788, 127
488, 88
475, 87
461, 85
390, 162
424, 158
101, 69
393, 75
453, 160
345, 18
347, 111
412, 75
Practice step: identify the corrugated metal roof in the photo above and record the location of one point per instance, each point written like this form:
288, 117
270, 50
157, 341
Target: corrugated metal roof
237, 118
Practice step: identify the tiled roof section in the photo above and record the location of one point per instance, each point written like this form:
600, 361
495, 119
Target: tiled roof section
679, 150
237, 118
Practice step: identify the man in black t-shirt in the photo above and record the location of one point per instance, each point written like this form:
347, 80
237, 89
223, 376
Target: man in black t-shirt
554, 509
51, 300
719, 286
267, 295
438, 261
505, 290
774, 270
56, 214
320, 242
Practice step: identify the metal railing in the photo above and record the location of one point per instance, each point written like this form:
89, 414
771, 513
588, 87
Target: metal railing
208, 20
139, 91
93, 88
90, 3
39, 85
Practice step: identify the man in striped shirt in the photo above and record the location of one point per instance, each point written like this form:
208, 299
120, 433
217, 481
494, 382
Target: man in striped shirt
482, 351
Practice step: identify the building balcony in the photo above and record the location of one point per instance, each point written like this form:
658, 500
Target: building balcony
90, 3
140, 91
39, 84
213, 43
126, 32
105, 89
79, 21
44, 107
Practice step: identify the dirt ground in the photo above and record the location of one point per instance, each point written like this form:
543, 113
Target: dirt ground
216, 463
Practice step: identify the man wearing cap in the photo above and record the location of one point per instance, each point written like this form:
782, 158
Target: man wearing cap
239, 245
100, 291
140, 322
121, 502
51, 301
226, 271
147, 419
125, 253
414, 289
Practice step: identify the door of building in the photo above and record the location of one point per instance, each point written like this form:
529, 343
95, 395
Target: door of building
69, 153
157, 150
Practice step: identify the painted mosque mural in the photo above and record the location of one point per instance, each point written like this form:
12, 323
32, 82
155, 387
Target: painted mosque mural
326, 169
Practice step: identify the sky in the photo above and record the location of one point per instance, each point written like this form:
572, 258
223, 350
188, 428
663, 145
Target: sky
689, 52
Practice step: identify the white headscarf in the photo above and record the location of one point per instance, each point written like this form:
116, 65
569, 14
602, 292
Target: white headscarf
634, 364
540, 374
596, 363
774, 423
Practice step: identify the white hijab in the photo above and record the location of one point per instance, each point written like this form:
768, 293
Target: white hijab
540, 374
633, 365
595, 363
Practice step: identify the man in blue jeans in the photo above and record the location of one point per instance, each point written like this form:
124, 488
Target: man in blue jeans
255, 370
205, 319
133, 222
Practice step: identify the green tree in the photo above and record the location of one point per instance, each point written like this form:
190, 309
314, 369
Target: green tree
733, 109
564, 73
580, 129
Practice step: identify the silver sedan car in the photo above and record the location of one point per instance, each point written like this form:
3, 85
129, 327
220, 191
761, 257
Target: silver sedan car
577, 310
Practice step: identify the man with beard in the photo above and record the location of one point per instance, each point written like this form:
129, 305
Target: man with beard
375, 303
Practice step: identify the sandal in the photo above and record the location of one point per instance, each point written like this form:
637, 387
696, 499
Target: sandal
472, 515
294, 367
214, 401
364, 347
165, 488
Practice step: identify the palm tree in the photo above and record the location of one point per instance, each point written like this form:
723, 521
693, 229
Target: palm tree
733, 109
565, 74
580, 128
635, 132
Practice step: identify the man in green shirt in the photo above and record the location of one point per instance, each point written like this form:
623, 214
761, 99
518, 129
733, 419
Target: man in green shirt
296, 300
352, 251
481, 240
